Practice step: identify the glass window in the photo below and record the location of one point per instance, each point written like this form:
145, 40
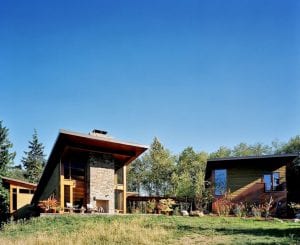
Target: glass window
119, 176
14, 199
272, 181
268, 182
220, 181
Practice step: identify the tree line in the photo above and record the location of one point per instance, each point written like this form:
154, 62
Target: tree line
157, 173
160, 173
31, 169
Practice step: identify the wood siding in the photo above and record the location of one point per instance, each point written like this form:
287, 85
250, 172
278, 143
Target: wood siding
245, 182
52, 186
241, 180
22, 198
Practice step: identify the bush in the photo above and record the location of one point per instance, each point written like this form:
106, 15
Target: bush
240, 209
224, 205
4, 210
48, 205
256, 210
165, 205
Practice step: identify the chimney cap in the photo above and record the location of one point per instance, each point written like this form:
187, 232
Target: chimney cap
98, 131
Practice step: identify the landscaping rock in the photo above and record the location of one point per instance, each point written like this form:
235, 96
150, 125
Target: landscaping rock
184, 213
296, 220
197, 213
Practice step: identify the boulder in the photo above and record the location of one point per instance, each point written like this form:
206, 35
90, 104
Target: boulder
197, 213
184, 213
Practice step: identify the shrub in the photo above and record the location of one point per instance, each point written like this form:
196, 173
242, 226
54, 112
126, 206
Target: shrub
240, 209
224, 205
295, 207
267, 206
256, 210
49, 204
165, 205
151, 204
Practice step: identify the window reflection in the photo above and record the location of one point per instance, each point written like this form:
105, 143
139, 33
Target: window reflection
271, 181
220, 181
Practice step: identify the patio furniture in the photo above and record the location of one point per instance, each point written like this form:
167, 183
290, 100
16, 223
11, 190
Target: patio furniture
69, 207
90, 208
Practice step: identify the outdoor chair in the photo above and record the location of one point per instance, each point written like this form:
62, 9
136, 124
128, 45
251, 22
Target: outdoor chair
90, 208
69, 207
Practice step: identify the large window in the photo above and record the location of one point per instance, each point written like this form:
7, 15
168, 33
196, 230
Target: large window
271, 181
220, 182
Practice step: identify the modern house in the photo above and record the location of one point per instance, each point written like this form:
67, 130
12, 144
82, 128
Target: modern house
88, 170
20, 193
252, 179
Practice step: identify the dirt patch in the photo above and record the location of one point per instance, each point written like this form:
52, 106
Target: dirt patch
201, 239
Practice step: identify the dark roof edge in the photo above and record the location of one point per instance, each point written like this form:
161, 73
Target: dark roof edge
254, 157
19, 181
101, 138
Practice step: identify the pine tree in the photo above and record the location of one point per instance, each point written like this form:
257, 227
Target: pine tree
6, 157
6, 160
34, 160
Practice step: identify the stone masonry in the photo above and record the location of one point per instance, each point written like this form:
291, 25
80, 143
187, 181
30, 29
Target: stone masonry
100, 180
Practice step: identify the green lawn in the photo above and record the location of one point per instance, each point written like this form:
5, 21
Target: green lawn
141, 229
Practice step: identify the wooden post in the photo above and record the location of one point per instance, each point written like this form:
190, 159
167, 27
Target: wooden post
10, 198
62, 192
71, 194
61, 185
124, 190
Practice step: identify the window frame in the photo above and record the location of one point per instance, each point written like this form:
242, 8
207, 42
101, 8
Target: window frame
274, 186
218, 192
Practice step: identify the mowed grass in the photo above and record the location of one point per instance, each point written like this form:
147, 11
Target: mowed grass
147, 229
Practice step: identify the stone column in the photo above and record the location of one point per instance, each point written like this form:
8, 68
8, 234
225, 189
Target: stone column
100, 180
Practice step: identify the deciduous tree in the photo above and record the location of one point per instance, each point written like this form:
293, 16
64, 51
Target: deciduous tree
159, 166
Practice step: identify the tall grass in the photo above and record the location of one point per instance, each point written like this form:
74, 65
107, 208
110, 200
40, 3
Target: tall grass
140, 229
84, 230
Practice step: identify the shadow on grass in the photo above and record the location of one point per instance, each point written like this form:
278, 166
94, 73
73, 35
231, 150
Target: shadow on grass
261, 232
272, 232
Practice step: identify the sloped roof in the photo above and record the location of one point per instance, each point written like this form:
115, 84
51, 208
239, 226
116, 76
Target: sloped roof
268, 159
18, 182
124, 152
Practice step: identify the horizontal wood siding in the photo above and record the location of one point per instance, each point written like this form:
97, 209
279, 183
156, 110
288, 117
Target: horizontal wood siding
240, 180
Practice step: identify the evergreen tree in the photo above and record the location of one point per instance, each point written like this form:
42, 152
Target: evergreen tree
34, 160
6, 157
6, 160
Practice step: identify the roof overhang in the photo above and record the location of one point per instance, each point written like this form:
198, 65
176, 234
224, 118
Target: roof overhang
123, 152
251, 160
17, 182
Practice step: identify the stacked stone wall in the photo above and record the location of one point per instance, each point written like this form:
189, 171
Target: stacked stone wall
100, 180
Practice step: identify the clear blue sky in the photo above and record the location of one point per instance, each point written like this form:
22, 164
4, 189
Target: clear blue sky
192, 73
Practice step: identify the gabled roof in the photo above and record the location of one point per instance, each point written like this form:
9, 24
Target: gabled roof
18, 182
123, 152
